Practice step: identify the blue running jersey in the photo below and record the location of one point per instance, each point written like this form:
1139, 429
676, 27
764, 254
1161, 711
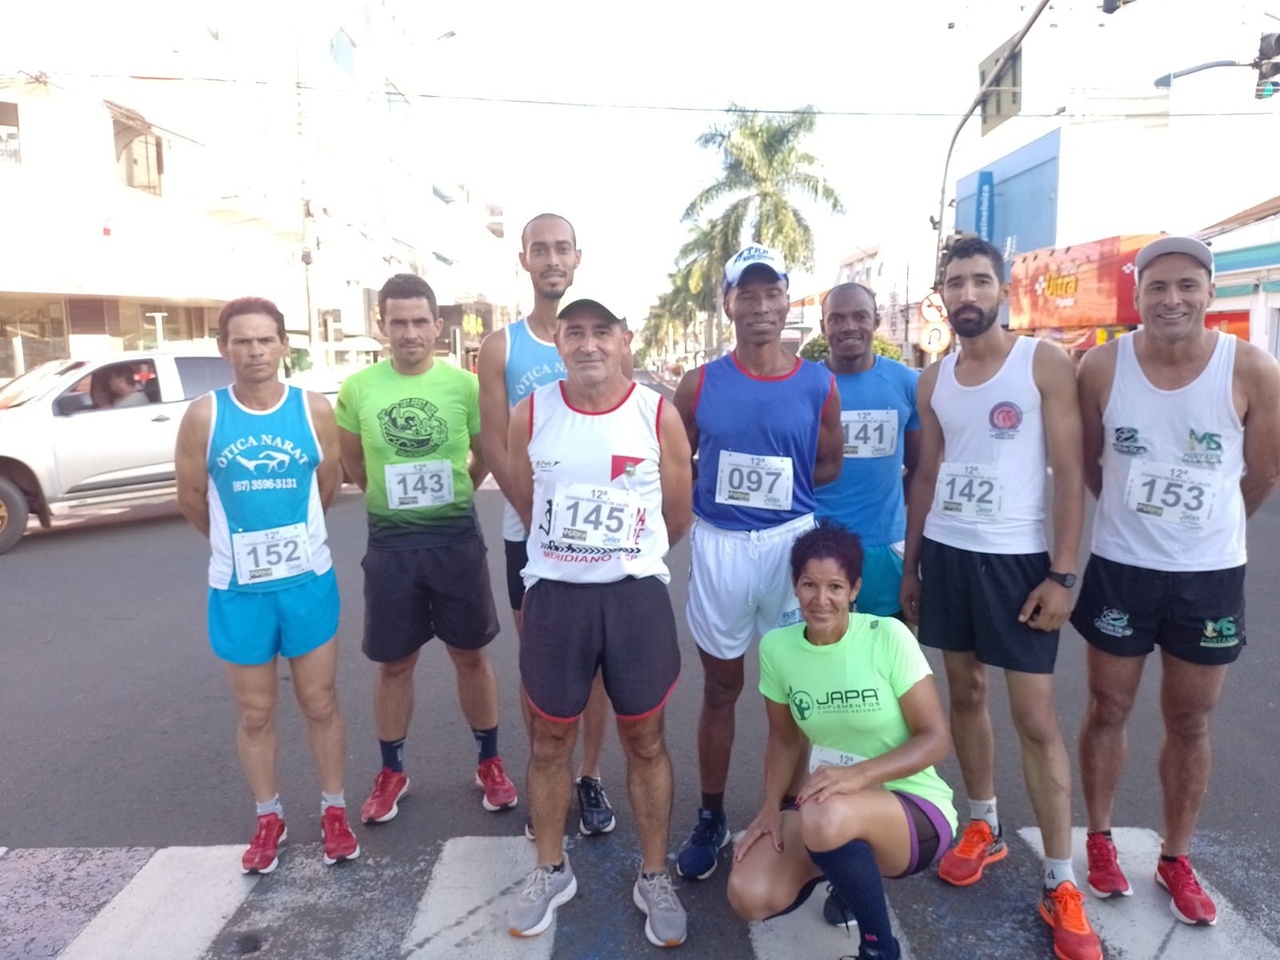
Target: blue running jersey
531, 363
877, 410
266, 523
757, 443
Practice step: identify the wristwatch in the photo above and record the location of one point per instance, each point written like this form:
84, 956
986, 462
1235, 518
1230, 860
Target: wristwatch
1067, 580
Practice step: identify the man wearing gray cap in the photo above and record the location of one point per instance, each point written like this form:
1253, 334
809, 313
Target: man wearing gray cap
766, 429
1182, 443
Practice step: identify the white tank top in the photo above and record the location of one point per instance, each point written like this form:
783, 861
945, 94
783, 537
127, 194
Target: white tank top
1171, 467
990, 492
597, 494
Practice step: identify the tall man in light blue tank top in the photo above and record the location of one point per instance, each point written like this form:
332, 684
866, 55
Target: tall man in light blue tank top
765, 427
977, 574
1181, 445
881, 434
257, 465
515, 361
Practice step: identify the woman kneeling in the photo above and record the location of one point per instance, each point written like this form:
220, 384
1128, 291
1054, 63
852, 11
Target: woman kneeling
858, 690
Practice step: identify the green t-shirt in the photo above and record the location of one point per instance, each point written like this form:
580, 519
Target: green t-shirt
416, 432
844, 696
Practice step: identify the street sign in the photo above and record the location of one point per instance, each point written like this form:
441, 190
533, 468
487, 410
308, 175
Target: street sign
932, 310
934, 337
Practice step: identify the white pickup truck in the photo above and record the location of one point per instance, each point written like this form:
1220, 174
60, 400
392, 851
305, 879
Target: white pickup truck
84, 433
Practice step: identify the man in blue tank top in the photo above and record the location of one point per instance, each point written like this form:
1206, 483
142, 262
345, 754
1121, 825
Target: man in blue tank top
1182, 444
977, 574
514, 362
257, 464
881, 434
765, 428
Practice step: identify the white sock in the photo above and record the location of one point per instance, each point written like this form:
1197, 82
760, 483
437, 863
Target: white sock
328, 800
271, 806
1056, 872
985, 810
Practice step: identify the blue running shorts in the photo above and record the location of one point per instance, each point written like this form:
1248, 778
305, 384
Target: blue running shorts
252, 627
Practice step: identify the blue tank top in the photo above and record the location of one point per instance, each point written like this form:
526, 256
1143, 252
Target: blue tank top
757, 443
531, 363
266, 522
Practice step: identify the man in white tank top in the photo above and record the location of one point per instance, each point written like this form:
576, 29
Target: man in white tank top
1181, 444
977, 576
600, 473
512, 363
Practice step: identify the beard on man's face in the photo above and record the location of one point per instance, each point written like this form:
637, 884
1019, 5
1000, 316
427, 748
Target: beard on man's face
971, 321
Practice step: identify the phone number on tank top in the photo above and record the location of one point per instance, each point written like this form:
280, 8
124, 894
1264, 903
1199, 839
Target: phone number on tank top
743, 480
869, 433
428, 483
595, 516
970, 490
264, 555
1172, 493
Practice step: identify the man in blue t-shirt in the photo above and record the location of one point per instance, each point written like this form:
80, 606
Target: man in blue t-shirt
881, 443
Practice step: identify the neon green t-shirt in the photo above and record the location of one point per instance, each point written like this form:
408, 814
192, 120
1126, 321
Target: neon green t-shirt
844, 696
415, 432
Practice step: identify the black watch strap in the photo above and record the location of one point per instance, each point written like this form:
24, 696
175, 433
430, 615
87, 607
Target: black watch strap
1067, 580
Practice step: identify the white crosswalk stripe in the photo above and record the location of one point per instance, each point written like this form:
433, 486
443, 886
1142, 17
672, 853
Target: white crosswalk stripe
175, 903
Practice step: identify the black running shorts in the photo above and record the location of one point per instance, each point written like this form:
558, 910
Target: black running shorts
1197, 617
413, 595
517, 557
969, 603
626, 630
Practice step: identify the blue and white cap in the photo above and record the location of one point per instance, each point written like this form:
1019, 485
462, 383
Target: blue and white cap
753, 256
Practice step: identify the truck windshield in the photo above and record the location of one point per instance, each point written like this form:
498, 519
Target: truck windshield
33, 383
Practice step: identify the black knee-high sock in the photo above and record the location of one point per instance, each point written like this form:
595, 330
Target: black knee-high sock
852, 870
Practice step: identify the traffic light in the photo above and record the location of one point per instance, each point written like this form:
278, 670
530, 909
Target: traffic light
1268, 65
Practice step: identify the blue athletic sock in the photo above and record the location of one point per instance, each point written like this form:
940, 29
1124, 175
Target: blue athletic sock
271, 806
488, 741
393, 754
852, 870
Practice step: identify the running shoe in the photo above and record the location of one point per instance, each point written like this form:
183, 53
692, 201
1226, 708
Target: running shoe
697, 858
1189, 903
263, 855
977, 847
499, 791
383, 804
339, 842
836, 912
666, 924
1105, 877
868, 952
544, 890
1062, 908
596, 815
528, 829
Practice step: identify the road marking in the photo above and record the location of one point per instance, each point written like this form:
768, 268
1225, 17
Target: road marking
464, 909
804, 933
1141, 925
171, 910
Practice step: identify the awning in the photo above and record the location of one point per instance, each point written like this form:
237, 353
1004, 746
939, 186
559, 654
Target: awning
1262, 211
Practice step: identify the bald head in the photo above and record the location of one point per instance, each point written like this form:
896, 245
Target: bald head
546, 218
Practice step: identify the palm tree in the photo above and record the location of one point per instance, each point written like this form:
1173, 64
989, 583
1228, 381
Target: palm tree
764, 164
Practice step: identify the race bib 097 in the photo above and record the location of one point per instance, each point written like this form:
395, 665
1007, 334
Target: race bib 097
743, 480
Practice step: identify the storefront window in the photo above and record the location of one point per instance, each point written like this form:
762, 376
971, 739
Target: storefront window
31, 332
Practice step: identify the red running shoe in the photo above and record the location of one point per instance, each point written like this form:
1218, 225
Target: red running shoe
1073, 939
499, 791
339, 842
1189, 902
263, 854
1106, 879
978, 846
384, 802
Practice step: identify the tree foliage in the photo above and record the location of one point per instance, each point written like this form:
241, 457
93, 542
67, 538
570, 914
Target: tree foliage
816, 348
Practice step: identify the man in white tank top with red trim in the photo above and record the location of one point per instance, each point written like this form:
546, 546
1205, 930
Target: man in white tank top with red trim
600, 473
977, 575
1181, 444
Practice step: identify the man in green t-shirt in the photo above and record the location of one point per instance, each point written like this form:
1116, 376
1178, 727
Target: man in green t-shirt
407, 426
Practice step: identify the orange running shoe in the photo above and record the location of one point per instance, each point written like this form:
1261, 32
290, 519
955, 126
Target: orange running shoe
1105, 876
1063, 910
1189, 902
962, 864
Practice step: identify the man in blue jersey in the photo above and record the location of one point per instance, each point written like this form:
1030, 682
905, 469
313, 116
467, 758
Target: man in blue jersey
257, 465
881, 434
765, 427
515, 361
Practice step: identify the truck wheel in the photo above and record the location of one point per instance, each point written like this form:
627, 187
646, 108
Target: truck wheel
13, 514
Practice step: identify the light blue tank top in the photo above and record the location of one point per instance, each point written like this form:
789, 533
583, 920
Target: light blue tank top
266, 522
531, 363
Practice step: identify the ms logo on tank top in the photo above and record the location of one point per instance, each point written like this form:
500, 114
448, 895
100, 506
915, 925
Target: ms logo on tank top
413, 427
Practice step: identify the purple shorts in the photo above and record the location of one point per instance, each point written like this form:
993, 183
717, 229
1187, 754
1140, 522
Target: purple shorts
930, 833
